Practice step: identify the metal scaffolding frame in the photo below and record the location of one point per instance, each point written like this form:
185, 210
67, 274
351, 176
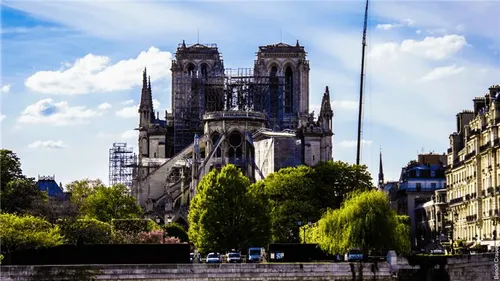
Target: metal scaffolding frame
122, 161
237, 89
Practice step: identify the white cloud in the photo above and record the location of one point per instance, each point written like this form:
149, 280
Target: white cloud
2, 117
124, 20
47, 111
386, 26
130, 134
5, 88
389, 26
127, 102
344, 104
131, 111
104, 106
94, 73
436, 48
353, 143
48, 144
442, 72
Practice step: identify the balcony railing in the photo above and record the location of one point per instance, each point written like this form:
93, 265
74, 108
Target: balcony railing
457, 200
471, 218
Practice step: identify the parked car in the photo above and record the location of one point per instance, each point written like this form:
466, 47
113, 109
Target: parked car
255, 254
354, 255
214, 258
234, 257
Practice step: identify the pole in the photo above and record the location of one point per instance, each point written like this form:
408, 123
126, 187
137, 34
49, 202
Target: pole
361, 84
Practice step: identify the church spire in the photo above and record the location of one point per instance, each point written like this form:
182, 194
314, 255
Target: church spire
146, 106
381, 172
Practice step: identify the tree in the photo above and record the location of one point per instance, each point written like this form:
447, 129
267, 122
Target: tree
114, 202
334, 179
220, 216
88, 231
364, 221
290, 192
10, 167
22, 196
174, 229
81, 189
27, 232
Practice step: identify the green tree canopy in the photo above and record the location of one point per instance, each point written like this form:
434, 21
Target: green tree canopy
10, 167
335, 179
290, 192
303, 194
22, 196
222, 213
88, 231
27, 232
364, 221
107, 203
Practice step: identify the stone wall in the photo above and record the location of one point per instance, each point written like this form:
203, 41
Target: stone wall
464, 268
202, 272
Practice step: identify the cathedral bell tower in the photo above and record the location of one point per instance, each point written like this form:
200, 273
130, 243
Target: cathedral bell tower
146, 118
325, 120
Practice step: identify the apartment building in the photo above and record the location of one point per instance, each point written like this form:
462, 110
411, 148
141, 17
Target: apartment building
473, 173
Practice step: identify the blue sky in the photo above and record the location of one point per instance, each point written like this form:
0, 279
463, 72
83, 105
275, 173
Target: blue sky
71, 70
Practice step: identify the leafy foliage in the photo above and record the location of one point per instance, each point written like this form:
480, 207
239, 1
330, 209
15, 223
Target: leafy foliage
221, 215
132, 225
114, 202
291, 196
302, 194
156, 237
364, 221
335, 179
10, 167
22, 196
174, 229
27, 232
87, 231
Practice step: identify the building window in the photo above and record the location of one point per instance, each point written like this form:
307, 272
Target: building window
154, 155
433, 185
418, 186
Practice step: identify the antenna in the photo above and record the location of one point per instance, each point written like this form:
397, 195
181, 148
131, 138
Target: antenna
281, 35
198, 36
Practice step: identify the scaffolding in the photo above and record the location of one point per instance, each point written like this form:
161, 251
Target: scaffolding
235, 90
122, 161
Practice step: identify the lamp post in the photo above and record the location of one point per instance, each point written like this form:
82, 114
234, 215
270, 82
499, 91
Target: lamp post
299, 223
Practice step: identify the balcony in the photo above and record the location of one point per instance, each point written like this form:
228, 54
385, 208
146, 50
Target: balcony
456, 200
471, 218
469, 155
484, 146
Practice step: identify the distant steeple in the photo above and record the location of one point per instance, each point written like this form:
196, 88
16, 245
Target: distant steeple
381, 172
326, 107
146, 106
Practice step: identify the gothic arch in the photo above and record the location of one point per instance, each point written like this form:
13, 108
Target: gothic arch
144, 146
273, 69
214, 137
235, 141
204, 70
190, 69
290, 64
289, 88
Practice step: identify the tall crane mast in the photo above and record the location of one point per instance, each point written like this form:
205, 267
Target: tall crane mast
361, 86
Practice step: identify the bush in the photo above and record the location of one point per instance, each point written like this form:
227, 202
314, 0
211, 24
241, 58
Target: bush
176, 230
27, 232
89, 231
156, 237
131, 225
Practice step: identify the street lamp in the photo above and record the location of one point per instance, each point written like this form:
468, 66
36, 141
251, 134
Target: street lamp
299, 223
495, 223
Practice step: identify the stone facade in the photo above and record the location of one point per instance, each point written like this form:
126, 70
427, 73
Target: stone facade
473, 174
216, 112
458, 268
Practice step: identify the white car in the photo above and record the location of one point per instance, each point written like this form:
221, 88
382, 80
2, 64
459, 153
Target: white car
214, 258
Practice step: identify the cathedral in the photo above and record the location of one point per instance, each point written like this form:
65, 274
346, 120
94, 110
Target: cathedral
255, 118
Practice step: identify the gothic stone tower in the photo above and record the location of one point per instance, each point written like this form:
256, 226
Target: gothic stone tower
288, 72
152, 131
196, 71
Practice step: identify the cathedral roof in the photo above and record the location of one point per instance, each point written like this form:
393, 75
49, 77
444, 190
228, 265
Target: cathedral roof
282, 48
